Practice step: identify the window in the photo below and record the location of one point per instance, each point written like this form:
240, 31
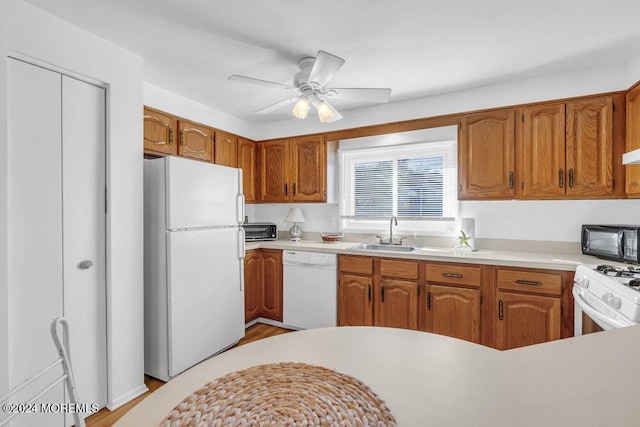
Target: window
415, 182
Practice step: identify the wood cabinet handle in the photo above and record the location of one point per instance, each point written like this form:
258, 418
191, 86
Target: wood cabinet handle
428, 300
571, 178
528, 282
561, 178
500, 310
454, 275
369, 293
181, 138
170, 136
382, 293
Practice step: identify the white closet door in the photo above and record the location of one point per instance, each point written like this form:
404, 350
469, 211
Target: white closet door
35, 226
83, 213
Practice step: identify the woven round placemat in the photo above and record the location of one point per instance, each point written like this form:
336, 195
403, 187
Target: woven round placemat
282, 394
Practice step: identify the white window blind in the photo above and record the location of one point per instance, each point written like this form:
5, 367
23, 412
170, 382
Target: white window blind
415, 182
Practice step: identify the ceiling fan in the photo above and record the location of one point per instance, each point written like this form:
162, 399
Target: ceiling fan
310, 83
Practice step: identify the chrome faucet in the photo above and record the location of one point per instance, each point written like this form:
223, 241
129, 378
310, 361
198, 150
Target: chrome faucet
393, 218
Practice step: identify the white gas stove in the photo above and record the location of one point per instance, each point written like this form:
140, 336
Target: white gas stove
608, 294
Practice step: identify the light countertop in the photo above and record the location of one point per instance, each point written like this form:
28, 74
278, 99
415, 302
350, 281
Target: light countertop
551, 261
428, 379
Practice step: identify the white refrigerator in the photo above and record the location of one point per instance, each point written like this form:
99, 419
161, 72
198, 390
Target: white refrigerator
193, 263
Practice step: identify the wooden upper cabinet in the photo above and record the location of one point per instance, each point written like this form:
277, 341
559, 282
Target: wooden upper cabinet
196, 141
396, 304
355, 300
226, 149
293, 170
589, 139
454, 312
526, 320
160, 132
486, 155
633, 140
543, 171
308, 169
274, 174
247, 161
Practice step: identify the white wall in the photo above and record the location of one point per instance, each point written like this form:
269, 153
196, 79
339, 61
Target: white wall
609, 78
29, 32
170, 102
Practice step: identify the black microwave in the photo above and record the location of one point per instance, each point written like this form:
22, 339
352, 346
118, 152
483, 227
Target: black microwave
614, 242
260, 231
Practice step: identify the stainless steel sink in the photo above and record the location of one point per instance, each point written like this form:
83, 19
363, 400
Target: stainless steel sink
383, 248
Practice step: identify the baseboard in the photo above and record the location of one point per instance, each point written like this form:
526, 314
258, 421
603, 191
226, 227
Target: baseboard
128, 397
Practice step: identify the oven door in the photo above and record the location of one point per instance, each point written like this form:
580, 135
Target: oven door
591, 315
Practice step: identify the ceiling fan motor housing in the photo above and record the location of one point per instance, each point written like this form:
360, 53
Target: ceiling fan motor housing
301, 79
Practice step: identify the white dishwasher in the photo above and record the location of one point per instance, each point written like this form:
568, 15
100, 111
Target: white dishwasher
310, 289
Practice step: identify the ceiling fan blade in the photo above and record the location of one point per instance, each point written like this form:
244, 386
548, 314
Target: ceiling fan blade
336, 115
324, 68
279, 104
258, 81
360, 94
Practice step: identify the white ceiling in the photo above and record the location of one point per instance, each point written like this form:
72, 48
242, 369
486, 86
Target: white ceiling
416, 47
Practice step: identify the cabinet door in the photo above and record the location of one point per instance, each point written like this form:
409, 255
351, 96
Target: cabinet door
226, 149
590, 147
247, 162
308, 169
526, 320
159, 132
272, 296
544, 151
396, 304
274, 176
454, 312
253, 283
486, 156
633, 140
355, 300
196, 141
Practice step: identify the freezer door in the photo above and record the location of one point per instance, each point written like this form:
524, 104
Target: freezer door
202, 194
206, 300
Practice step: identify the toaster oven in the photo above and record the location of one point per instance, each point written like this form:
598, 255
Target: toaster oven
260, 231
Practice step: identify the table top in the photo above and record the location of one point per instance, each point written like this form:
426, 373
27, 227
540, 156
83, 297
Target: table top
428, 379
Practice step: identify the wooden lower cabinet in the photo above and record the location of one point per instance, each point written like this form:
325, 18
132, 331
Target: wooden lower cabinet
453, 311
263, 284
396, 304
526, 320
252, 289
355, 300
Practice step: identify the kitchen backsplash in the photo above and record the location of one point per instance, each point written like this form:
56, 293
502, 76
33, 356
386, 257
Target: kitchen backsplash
553, 221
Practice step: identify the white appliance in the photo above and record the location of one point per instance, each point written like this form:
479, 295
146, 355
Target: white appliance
606, 297
310, 289
193, 263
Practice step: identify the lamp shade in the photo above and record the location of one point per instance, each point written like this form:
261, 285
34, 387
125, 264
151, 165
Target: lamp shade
294, 215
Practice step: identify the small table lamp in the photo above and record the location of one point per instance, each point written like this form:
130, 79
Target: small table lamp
295, 216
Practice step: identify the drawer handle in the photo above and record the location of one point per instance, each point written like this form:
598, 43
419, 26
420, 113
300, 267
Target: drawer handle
454, 275
381, 294
369, 293
428, 300
500, 310
528, 282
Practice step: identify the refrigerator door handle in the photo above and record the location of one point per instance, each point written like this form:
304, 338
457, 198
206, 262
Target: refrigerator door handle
240, 199
241, 251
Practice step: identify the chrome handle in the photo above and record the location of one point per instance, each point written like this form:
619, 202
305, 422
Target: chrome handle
85, 265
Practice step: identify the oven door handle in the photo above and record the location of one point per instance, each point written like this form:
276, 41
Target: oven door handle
606, 322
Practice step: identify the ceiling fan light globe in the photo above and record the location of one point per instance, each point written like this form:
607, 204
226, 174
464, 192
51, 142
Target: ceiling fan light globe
325, 113
301, 109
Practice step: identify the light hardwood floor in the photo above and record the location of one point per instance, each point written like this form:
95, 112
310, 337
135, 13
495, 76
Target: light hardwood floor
106, 418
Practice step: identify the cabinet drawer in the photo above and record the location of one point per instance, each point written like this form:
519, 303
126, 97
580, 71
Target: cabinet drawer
530, 281
355, 264
398, 268
453, 273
